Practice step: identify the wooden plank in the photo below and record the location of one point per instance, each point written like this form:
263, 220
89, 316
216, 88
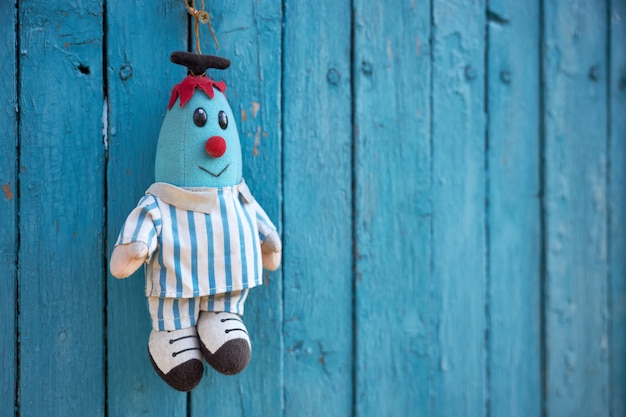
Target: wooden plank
577, 345
514, 222
617, 206
318, 209
458, 197
392, 163
61, 210
249, 34
139, 86
8, 204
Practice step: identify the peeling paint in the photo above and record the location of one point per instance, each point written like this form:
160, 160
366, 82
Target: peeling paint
6, 189
256, 106
257, 141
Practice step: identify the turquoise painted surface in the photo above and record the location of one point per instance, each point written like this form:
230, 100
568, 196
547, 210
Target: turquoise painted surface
459, 225
616, 149
513, 212
317, 226
61, 275
394, 302
448, 178
576, 210
8, 205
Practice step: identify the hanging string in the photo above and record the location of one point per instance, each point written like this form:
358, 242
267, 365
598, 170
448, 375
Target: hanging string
200, 16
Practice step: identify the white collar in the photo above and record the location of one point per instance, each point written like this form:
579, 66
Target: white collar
201, 199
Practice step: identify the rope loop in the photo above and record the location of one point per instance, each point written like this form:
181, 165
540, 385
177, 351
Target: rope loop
200, 16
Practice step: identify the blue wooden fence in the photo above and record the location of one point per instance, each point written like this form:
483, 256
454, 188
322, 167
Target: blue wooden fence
449, 177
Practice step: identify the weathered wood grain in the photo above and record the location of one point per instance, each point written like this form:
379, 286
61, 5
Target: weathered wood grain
458, 193
317, 157
577, 313
393, 215
8, 204
249, 34
61, 209
617, 206
513, 217
138, 89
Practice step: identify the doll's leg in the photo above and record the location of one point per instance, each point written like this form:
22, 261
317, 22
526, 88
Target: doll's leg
173, 345
223, 336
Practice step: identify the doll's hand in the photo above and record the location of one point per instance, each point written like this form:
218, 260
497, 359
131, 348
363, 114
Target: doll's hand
127, 258
272, 243
271, 250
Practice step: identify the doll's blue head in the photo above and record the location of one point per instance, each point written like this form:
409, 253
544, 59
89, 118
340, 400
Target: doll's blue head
199, 144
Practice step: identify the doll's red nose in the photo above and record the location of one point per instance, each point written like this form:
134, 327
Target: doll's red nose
215, 146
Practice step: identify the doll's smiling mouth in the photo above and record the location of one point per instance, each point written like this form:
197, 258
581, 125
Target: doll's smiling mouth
212, 174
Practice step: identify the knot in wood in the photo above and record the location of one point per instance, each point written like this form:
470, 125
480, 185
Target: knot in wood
333, 76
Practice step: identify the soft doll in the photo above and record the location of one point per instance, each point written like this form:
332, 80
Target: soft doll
201, 234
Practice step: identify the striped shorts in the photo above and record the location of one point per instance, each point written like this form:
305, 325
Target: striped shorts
180, 313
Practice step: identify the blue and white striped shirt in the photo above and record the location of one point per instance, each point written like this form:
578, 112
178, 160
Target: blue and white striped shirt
201, 241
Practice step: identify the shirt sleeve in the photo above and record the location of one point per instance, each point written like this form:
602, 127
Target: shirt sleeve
143, 224
264, 224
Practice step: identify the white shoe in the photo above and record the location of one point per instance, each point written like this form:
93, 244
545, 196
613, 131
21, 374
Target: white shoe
224, 341
176, 357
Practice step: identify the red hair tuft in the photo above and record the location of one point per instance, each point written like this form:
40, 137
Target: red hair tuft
186, 88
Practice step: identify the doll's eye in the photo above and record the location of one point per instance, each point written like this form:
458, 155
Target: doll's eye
199, 117
222, 118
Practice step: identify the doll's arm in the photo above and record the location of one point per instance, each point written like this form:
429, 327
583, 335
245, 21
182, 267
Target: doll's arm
271, 250
271, 246
127, 258
137, 240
